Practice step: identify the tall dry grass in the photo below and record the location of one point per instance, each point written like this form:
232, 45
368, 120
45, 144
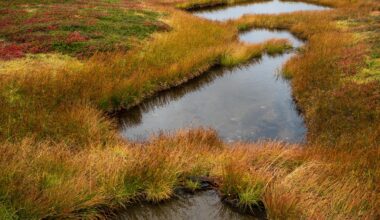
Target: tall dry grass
293, 182
60, 156
65, 183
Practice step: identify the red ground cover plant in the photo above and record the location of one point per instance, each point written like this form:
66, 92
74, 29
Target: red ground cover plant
11, 51
71, 27
75, 37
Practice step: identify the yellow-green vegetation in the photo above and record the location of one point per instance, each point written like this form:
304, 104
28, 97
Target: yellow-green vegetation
62, 158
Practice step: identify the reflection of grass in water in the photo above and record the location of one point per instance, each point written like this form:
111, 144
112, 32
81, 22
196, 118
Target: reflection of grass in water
199, 4
234, 59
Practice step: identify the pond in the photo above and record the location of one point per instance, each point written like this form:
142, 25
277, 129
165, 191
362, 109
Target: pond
246, 103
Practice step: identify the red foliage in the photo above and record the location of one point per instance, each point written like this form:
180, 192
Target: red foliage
11, 51
6, 22
52, 27
11, 11
76, 37
35, 20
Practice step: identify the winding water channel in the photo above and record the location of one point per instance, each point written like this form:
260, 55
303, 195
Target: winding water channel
266, 7
246, 103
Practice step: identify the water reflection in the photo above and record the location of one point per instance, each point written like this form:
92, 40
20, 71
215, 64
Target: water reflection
258, 36
204, 205
271, 7
134, 116
246, 103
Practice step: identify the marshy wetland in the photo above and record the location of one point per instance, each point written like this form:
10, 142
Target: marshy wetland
192, 109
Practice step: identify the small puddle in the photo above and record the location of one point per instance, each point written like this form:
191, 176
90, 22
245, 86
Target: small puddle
203, 205
269, 7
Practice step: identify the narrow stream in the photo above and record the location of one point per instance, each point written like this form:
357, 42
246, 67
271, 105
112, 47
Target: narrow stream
269, 7
246, 103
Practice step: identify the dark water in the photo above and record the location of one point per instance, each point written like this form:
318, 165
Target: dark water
247, 103
270, 7
202, 206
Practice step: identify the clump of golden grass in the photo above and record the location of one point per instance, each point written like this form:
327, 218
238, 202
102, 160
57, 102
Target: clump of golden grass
240, 53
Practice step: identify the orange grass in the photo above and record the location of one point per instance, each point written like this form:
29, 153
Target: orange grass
61, 157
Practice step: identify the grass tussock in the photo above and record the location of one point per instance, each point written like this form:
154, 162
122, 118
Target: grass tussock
240, 53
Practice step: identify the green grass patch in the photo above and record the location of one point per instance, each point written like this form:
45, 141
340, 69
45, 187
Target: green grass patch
370, 73
192, 185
